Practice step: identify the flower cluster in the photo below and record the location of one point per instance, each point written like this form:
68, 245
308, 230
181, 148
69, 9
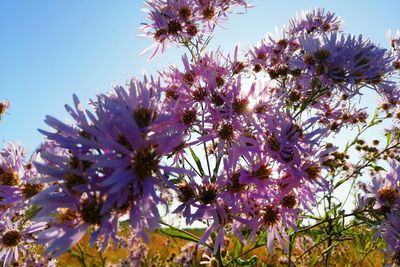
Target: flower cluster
18, 186
4, 105
384, 197
261, 117
323, 68
184, 21
107, 165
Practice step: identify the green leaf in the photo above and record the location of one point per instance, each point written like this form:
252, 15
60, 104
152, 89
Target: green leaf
378, 168
367, 220
252, 261
31, 212
332, 210
197, 161
313, 217
178, 234
237, 248
388, 138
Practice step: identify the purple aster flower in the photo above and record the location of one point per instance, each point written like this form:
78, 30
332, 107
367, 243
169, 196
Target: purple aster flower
4, 105
179, 22
315, 21
348, 63
385, 189
14, 237
106, 165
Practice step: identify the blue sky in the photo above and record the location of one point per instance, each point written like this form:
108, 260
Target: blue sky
52, 49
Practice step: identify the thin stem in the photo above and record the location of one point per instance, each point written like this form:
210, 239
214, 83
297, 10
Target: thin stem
198, 173
323, 240
83, 255
185, 232
208, 162
366, 164
244, 253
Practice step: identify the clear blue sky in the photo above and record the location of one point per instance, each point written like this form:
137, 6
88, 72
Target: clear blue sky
51, 49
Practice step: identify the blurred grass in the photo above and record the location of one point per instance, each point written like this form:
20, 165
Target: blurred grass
359, 251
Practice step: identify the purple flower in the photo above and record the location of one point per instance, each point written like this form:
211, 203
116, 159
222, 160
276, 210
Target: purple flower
183, 21
105, 166
385, 189
315, 21
14, 237
4, 105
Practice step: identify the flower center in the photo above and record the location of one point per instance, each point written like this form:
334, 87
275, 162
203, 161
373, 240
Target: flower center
174, 27
186, 192
271, 216
388, 194
90, 213
313, 172
262, 173
11, 238
144, 116
144, 162
29, 190
72, 179
9, 178
226, 132
208, 13
289, 201
185, 12
189, 116
240, 105
207, 194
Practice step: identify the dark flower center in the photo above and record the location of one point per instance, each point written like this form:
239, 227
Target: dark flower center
273, 143
257, 68
313, 172
145, 161
188, 78
309, 59
271, 216
90, 213
240, 105
171, 93
30, 190
237, 67
289, 201
72, 179
219, 80
388, 194
189, 116
186, 192
67, 215
262, 173
9, 178
217, 99
158, 34
185, 12
396, 257
144, 116
235, 185
322, 55
199, 94
226, 132
11, 238
207, 194
174, 27
192, 30
208, 13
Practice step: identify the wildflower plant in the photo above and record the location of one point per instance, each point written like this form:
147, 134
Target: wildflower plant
241, 142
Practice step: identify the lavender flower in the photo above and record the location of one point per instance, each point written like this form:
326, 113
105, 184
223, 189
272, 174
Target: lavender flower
14, 237
4, 105
181, 22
